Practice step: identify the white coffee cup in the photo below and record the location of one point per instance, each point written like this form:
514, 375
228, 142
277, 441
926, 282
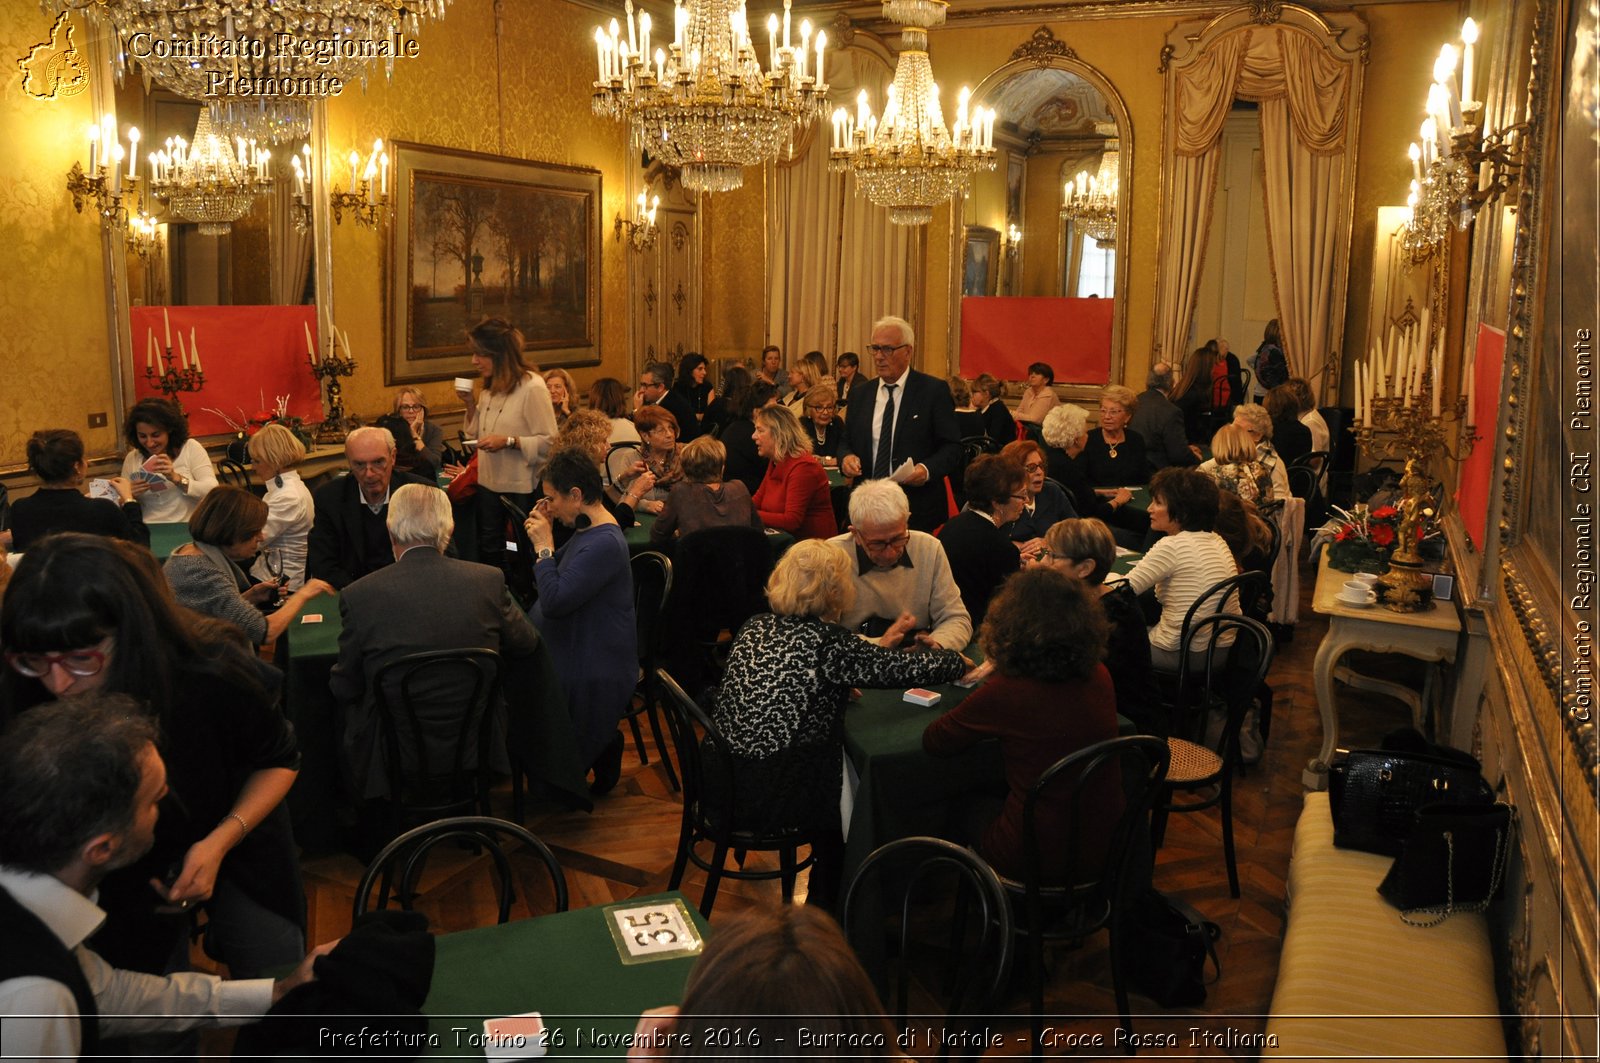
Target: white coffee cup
1366, 579
1357, 597
464, 385
1357, 587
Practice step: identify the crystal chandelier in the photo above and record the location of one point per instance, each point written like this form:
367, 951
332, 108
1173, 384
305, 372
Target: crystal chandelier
265, 119
1090, 200
1458, 166
909, 162
211, 49
208, 181
704, 103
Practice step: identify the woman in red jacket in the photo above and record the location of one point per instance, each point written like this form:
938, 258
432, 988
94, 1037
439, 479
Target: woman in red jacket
793, 495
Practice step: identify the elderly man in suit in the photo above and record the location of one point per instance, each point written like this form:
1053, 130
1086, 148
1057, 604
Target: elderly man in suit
903, 416
349, 538
655, 389
1160, 423
424, 601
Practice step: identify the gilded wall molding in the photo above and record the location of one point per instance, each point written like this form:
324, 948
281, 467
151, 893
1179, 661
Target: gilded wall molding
1042, 47
1265, 12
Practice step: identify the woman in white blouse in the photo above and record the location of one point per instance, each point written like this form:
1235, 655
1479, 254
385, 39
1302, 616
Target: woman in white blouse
274, 452
170, 472
514, 422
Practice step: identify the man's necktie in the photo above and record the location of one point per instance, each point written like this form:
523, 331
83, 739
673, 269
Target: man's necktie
883, 462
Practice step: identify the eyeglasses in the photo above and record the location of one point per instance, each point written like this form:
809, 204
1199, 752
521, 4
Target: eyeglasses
885, 348
410, 407
77, 662
1019, 498
1033, 466
885, 544
819, 408
1111, 411
651, 384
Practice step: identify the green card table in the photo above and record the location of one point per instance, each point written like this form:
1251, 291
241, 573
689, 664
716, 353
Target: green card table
1430, 635
165, 538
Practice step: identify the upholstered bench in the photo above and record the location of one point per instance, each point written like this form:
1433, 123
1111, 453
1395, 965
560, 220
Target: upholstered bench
1356, 982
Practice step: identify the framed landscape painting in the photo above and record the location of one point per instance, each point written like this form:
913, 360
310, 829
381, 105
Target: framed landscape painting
484, 235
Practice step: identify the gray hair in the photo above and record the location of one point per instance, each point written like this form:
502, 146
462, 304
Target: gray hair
370, 430
1065, 425
1256, 418
419, 515
879, 502
1159, 377
908, 335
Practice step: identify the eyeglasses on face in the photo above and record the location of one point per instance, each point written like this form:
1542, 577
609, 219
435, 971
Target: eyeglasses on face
1019, 498
1111, 411
885, 544
410, 407
885, 348
80, 663
1033, 466
824, 408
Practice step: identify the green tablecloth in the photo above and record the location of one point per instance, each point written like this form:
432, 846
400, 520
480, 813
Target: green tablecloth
638, 536
165, 538
538, 728
564, 966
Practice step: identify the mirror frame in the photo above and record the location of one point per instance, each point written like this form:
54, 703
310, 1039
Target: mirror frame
1043, 51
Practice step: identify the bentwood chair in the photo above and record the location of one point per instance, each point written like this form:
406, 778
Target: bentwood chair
652, 584
408, 854
711, 809
1081, 881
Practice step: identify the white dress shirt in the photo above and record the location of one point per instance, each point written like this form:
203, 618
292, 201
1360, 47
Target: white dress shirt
880, 397
129, 1002
289, 514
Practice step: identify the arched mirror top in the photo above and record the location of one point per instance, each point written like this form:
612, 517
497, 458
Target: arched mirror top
1057, 116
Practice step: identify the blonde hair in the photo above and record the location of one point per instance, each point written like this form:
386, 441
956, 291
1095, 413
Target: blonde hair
812, 579
586, 430
702, 459
960, 392
822, 391
1256, 418
1125, 397
788, 438
808, 374
277, 446
1231, 445
1083, 539
566, 378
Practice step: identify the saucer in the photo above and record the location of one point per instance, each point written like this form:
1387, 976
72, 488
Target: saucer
1356, 603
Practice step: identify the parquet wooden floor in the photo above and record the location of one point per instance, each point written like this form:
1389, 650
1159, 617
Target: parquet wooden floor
625, 848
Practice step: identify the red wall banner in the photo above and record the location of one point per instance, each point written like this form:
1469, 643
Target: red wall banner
1472, 494
249, 355
1003, 334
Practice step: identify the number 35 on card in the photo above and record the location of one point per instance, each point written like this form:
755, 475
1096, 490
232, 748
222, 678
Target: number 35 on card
647, 932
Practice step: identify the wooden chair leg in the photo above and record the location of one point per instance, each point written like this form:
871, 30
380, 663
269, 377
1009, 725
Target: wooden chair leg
681, 862
719, 857
638, 739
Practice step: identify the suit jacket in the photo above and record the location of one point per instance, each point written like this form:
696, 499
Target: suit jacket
336, 550
925, 432
425, 601
981, 557
1166, 441
674, 403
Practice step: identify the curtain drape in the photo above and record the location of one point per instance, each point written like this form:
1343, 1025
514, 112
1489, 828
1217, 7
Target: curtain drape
1304, 97
291, 250
836, 262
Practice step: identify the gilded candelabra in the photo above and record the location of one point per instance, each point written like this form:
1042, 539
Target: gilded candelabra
176, 373
335, 424
368, 197
103, 193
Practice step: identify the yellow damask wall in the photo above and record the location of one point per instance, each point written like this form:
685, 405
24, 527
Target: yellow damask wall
53, 347
525, 96
734, 265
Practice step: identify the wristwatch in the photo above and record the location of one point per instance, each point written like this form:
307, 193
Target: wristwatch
511, 442
544, 554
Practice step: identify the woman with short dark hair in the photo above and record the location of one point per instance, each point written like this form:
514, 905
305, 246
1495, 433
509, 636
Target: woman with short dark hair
980, 552
585, 608
745, 462
55, 456
228, 528
169, 471
703, 499
1050, 696
1039, 397
691, 382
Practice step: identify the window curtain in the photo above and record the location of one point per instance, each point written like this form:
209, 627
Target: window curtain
836, 262
1304, 95
291, 250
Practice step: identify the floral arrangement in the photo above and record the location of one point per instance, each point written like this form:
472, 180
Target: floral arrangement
248, 424
1363, 540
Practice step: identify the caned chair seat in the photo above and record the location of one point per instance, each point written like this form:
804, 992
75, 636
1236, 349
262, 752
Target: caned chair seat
1191, 762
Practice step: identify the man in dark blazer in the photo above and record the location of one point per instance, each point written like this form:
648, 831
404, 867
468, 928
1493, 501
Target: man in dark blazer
349, 538
1159, 423
424, 601
655, 389
920, 418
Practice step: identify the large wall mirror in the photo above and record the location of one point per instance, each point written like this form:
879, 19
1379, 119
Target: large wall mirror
1058, 118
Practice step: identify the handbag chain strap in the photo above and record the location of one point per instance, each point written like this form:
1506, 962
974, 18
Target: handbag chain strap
1449, 909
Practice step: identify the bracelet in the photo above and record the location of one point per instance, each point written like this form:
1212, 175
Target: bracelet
244, 828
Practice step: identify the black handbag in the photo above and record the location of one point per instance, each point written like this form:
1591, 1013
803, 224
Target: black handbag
1374, 794
1453, 861
1169, 944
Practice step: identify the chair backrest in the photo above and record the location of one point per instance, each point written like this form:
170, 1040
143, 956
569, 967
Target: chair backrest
652, 584
620, 457
1236, 594
1132, 768
719, 579
232, 473
974, 446
919, 872
1235, 663
409, 852
433, 713
687, 720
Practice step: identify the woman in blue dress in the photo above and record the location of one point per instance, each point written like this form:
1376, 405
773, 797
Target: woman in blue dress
585, 607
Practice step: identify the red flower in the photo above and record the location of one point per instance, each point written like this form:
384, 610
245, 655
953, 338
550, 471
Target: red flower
1382, 535
1385, 513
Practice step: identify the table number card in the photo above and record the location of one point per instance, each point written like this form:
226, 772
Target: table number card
647, 932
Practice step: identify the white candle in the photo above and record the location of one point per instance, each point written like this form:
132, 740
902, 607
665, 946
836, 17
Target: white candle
600, 53
785, 24
183, 355
194, 349
133, 152
166, 324
1416, 161
1472, 392
1469, 37
311, 347
822, 42
644, 33
680, 22
1357, 402
150, 348
345, 336
1438, 383
94, 147
772, 41
116, 168
633, 42
661, 65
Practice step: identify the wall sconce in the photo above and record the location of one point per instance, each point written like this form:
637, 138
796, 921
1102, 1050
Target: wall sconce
301, 205
641, 228
144, 234
369, 196
1012, 239
102, 183
1457, 167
